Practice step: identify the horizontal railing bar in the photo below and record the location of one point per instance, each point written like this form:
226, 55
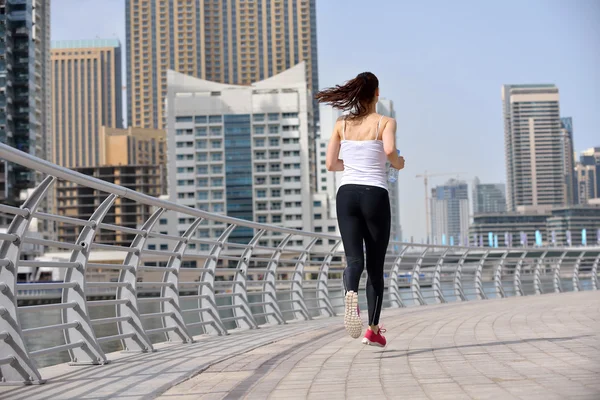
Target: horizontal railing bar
159, 269
194, 296
112, 247
118, 228
62, 218
162, 253
109, 320
226, 319
164, 236
48, 264
157, 315
229, 306
199, 323
154, 299
264, 314
198, 283
52, 243
47, 307
7, 360
46, 328
56, 349
107, 284
8, 236
109, 266
100, 303
106, 339
155, 284
190, 310
49, 285
13, 210
160, 330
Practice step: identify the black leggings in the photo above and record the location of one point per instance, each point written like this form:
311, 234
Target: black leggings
364, 217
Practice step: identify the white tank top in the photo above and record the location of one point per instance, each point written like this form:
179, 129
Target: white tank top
365, 161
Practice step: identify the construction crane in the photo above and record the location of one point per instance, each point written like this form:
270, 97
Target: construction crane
426, 177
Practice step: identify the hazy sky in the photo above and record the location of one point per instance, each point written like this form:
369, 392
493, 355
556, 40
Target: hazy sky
442, 63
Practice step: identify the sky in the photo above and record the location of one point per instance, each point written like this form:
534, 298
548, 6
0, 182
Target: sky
443, 64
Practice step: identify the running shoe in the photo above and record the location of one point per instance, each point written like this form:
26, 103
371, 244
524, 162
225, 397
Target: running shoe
352, 321
375, 339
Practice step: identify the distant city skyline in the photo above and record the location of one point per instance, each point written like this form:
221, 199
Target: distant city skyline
444, 81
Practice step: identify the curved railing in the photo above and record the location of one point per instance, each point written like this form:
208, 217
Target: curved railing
197, 285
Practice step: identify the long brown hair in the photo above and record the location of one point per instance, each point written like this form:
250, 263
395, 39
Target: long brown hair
354, 95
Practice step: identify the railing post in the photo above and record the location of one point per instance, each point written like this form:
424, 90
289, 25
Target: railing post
171, 275
458, 289
325, 307
394, 287
139, 342
537, 281
517, 278
208, 301
576, 283
22, 369
297, 287
478, 277
91, 353
595, 273
556, 279
498, 276
436, 285
414, 281
270, 286
240, 287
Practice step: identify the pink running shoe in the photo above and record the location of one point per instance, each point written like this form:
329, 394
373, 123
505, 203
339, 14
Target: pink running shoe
375, 339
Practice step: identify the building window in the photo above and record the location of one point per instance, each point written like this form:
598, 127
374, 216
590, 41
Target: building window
216, 144
215, 131
202, 170
318, 229
200, 119
318, 216
215, 119
331, 228
289, 115
273, 129
275, 193
274, 142
202, 182
276, 219
217, 181
216, 156
259, 142
202, 195
200, 131
201, 157
273, 116
217, 169
316, 203
184, 119
218, 207
258, 117
262, 219
200, 144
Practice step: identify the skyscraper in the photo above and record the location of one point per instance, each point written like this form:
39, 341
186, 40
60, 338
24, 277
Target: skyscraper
566, 131
86, 95
240, 151
228, 41
534, 147
24, 89
450, 212
587, 172
488, 197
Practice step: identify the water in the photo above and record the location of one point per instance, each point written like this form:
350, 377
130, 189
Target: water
393, 173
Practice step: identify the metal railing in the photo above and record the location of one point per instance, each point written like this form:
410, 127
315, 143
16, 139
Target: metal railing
234, 285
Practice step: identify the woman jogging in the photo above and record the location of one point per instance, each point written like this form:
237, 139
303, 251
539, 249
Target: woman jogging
365, 140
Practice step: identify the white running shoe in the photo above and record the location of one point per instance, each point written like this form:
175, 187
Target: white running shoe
352, 321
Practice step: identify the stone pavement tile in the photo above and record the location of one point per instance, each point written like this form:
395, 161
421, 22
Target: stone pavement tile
487, 392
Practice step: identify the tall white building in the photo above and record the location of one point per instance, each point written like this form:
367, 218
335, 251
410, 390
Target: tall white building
534, 148
242, 151
328, 182
450, 212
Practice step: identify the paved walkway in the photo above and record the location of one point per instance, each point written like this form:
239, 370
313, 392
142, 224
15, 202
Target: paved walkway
543, 347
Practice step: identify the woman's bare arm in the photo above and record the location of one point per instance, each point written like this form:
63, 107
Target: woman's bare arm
389, 144
332, 161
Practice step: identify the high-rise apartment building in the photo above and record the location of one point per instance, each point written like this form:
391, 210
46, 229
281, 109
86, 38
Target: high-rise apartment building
24, 89
450, 212
534, 147
132, 146
134, 158
86, 95
241, 151
229, 41
566, 125
488, 197
587, 172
